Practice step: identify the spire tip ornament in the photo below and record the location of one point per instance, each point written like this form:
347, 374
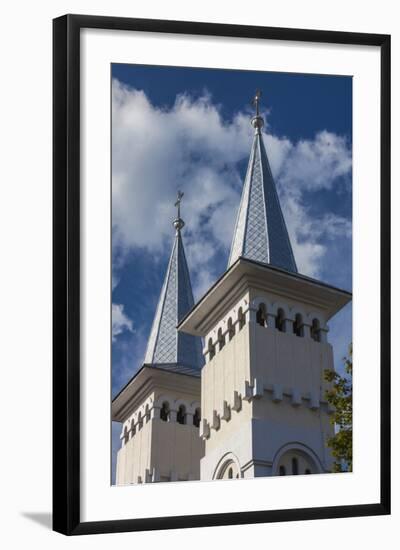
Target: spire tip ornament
178, 222
257, 121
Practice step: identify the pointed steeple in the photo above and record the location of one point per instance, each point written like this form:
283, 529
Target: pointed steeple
260, 231
167, 346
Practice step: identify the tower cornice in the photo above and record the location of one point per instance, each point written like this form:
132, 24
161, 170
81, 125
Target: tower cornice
245, 274
146, 380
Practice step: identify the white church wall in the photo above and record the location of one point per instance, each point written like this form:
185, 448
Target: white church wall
133, 458
224, 375
157, 450
233, 438
275, 425
177, 450
294, 363
264, 388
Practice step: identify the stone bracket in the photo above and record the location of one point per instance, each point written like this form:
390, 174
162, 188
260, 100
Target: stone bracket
204, 429
314, 402
226, 414
258, 388
215, 424
237, 401
155, 476
296, 397
248, 391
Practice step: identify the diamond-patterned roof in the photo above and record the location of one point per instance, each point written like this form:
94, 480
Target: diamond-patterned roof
166, 345
260, 231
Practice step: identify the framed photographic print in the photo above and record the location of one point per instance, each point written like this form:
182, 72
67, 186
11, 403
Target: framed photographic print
221, 257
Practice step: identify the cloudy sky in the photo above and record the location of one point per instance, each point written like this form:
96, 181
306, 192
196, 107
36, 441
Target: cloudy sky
189, 129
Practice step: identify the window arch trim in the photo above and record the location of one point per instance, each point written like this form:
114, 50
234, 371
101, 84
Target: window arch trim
223, 464
296, 446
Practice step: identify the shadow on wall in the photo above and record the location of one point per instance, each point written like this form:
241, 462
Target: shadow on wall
45, 519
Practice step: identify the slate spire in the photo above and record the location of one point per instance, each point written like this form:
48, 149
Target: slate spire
260, 231
166, 346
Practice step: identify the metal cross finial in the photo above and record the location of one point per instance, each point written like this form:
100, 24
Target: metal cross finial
178, 222
256, 101
257, 121
178, 202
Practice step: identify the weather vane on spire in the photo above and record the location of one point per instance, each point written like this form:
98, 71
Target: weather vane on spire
257, 121
178, 222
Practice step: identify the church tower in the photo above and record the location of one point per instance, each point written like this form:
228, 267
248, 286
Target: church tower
160, 406
265, 327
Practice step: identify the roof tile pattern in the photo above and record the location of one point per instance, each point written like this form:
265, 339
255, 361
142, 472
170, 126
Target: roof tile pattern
166, 345
260, 231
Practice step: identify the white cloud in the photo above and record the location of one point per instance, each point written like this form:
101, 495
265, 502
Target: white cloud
314, 165
120, 321
157, 151
310, 236
204, 280
131, 351
310, 166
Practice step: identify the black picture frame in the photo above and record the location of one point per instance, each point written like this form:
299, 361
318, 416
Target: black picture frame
66, 273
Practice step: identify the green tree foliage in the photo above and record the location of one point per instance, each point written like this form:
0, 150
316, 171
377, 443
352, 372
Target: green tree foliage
340, 396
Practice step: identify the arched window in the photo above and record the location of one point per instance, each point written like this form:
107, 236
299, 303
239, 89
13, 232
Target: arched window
261, 316
242, 318
231, 329
164, 412
298, 325
280, 320
196, 418
228, 470
296, 462
147, 413
211, 349
181, 415
221, 339
315, 330
140, 421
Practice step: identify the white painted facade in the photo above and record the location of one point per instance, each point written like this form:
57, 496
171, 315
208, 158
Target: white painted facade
156, 446
263, 402
261, 393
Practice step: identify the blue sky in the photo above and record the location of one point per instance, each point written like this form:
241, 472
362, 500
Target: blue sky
183, 128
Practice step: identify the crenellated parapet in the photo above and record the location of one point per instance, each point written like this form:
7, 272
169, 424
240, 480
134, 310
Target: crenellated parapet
165, 408
226, 329
289, 318
274, 393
